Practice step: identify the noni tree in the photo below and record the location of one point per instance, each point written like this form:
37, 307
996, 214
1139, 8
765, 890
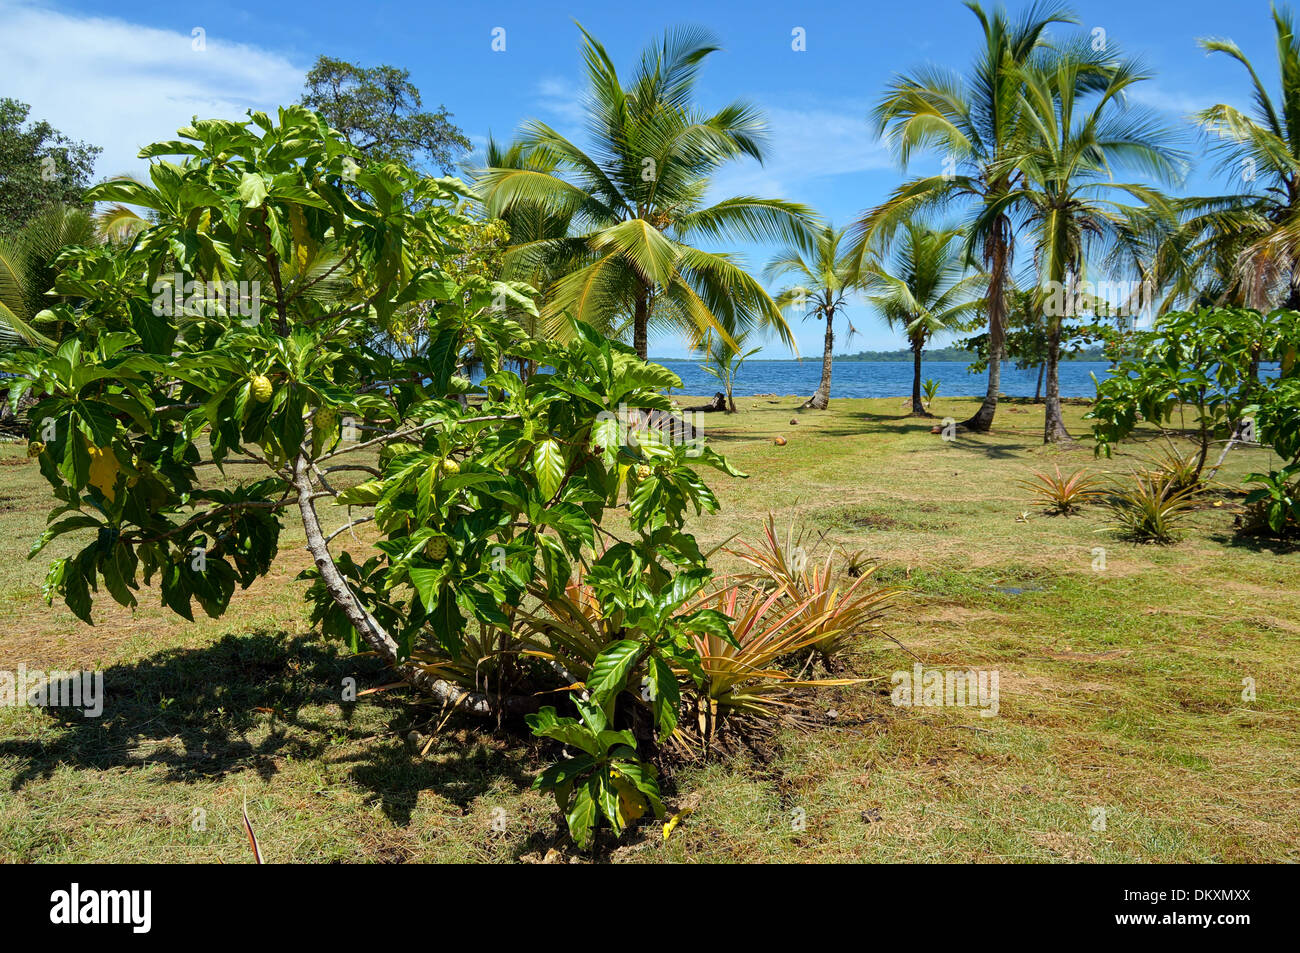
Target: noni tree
246, 325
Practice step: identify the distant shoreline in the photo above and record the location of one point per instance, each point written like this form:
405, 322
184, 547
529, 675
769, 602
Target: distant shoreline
885, 357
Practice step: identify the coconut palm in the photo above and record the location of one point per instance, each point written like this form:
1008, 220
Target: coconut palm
636, 199
827, 273
28, 269
924, 289
975, 120
1243, 247
1077, 140
723, 357
532, 224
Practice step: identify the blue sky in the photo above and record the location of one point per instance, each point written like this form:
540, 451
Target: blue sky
121, 74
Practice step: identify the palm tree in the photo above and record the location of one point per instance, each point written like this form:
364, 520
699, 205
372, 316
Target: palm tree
636, 199
976, 120
540, 229
925, 290
28, 269
1072, 204
1243, 247
723, 359
827, 275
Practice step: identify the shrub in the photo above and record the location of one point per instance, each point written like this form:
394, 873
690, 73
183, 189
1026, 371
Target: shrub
166, 379
1274, 508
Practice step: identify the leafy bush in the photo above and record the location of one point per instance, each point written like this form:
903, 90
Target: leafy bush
1274, 507
1205, 360
251, 322
1063, 494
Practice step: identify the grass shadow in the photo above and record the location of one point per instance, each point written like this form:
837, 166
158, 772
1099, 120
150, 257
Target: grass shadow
248, 701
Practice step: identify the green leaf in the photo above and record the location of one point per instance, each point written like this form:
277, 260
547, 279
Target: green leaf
665, 696
363, 494
548, 462
581, 816
548, 724
252, 190
610, 670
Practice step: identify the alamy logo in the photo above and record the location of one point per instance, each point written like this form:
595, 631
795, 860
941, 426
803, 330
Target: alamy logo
1121, 299
932, 688
632, 427
74, 906
174, 297
84, 690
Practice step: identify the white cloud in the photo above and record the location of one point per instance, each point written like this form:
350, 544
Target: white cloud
805, 145
562, 99
121, 85
1183, 104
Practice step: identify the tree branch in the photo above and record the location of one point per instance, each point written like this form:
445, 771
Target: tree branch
411, 431
369, 628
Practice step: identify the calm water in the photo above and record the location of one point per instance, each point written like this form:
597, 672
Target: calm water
883, 379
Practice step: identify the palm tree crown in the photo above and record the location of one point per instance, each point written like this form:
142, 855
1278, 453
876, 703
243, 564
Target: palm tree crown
636, 200
827, 273
925, 289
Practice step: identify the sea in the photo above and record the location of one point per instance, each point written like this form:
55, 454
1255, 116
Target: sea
881, 378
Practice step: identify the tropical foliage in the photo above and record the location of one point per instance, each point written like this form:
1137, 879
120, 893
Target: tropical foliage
635, 200
238, 323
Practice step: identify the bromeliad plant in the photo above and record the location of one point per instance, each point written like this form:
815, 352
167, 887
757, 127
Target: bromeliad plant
1062, 495
743, 681
240, 327
1150, 508
836, 615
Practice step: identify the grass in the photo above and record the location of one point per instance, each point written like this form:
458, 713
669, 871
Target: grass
1121, 689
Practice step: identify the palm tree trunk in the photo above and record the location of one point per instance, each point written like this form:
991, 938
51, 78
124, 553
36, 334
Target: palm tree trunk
640, 322
1053, 423
918, 409
821, 399
997, 262
1038, 388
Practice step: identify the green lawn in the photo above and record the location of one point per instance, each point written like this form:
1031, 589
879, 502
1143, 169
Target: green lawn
1121, 690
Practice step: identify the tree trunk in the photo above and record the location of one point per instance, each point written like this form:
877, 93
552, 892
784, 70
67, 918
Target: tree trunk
731, 402
1038, 388
996, 259
374, 635
1053, 424
821, 400
640, 322
918, 409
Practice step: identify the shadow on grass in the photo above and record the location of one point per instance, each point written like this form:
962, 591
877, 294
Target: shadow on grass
1257, 543
245, 703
